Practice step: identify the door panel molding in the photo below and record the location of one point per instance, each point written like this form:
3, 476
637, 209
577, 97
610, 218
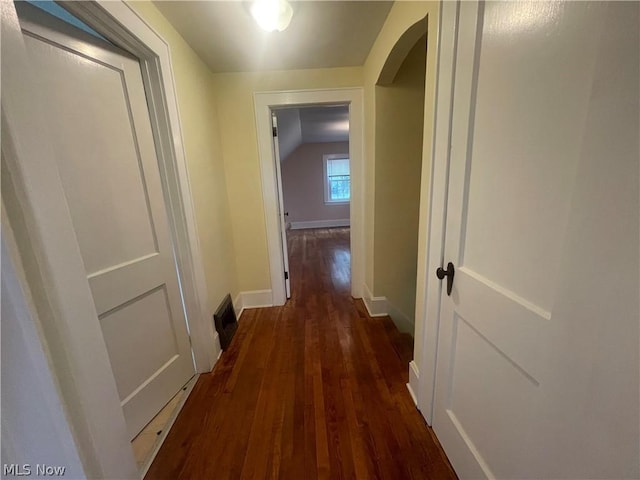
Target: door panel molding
541, 324
78, 353
119, 23
79, 357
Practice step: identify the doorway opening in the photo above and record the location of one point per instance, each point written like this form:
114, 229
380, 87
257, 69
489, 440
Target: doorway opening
313, 169
398, 183
265, 104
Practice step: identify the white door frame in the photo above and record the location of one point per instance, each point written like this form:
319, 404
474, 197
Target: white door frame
264, 102
445, 78
70, 330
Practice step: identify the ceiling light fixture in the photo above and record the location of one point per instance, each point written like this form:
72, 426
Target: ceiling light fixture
272, 15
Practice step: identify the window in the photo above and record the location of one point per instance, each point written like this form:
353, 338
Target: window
337, 178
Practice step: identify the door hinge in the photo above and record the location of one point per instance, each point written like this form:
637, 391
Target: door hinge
286, 275
275, 131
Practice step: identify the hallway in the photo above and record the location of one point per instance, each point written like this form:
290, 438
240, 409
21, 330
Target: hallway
314, 389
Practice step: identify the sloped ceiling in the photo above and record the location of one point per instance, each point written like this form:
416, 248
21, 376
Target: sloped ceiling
321, 34
324, 124
289, 131
317, 124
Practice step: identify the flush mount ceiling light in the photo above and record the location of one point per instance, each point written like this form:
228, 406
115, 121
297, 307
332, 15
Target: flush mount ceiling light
272, 15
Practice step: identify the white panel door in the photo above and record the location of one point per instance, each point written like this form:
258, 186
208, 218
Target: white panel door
96, 109
281, 212
538, 367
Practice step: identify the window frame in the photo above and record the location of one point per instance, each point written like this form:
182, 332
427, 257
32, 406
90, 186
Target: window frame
325, 178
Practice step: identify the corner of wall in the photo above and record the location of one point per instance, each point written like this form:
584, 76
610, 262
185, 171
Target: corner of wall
403, 323
238, 307
376, 306
252, 299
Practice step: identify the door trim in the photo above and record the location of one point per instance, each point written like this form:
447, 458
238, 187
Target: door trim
76, 350
445, 78
264, 102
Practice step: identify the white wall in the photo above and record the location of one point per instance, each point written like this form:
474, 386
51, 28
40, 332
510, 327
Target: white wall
303, 184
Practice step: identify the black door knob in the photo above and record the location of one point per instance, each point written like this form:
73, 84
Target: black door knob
449, 273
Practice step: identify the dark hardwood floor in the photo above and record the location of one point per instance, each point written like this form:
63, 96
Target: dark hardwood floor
314, 389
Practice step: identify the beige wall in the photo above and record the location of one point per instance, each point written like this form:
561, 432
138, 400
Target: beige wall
239, 140
303, 183
233, 100
402, 16
197, 106
240, 151
398, 162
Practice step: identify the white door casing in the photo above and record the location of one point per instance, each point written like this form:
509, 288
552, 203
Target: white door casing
537, 364
264, 103
95, 104
283, 225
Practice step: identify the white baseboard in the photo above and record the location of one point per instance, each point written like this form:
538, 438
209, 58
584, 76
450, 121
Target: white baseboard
402, 322
217, 349
252, 299
380, 307
376, 306
237, 305
414, 377
343, 222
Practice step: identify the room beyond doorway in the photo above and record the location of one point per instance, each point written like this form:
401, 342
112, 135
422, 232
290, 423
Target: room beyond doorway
311, 145
332, 244
265, 104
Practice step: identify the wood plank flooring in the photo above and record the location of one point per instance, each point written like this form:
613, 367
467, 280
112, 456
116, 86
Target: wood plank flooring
314, 389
